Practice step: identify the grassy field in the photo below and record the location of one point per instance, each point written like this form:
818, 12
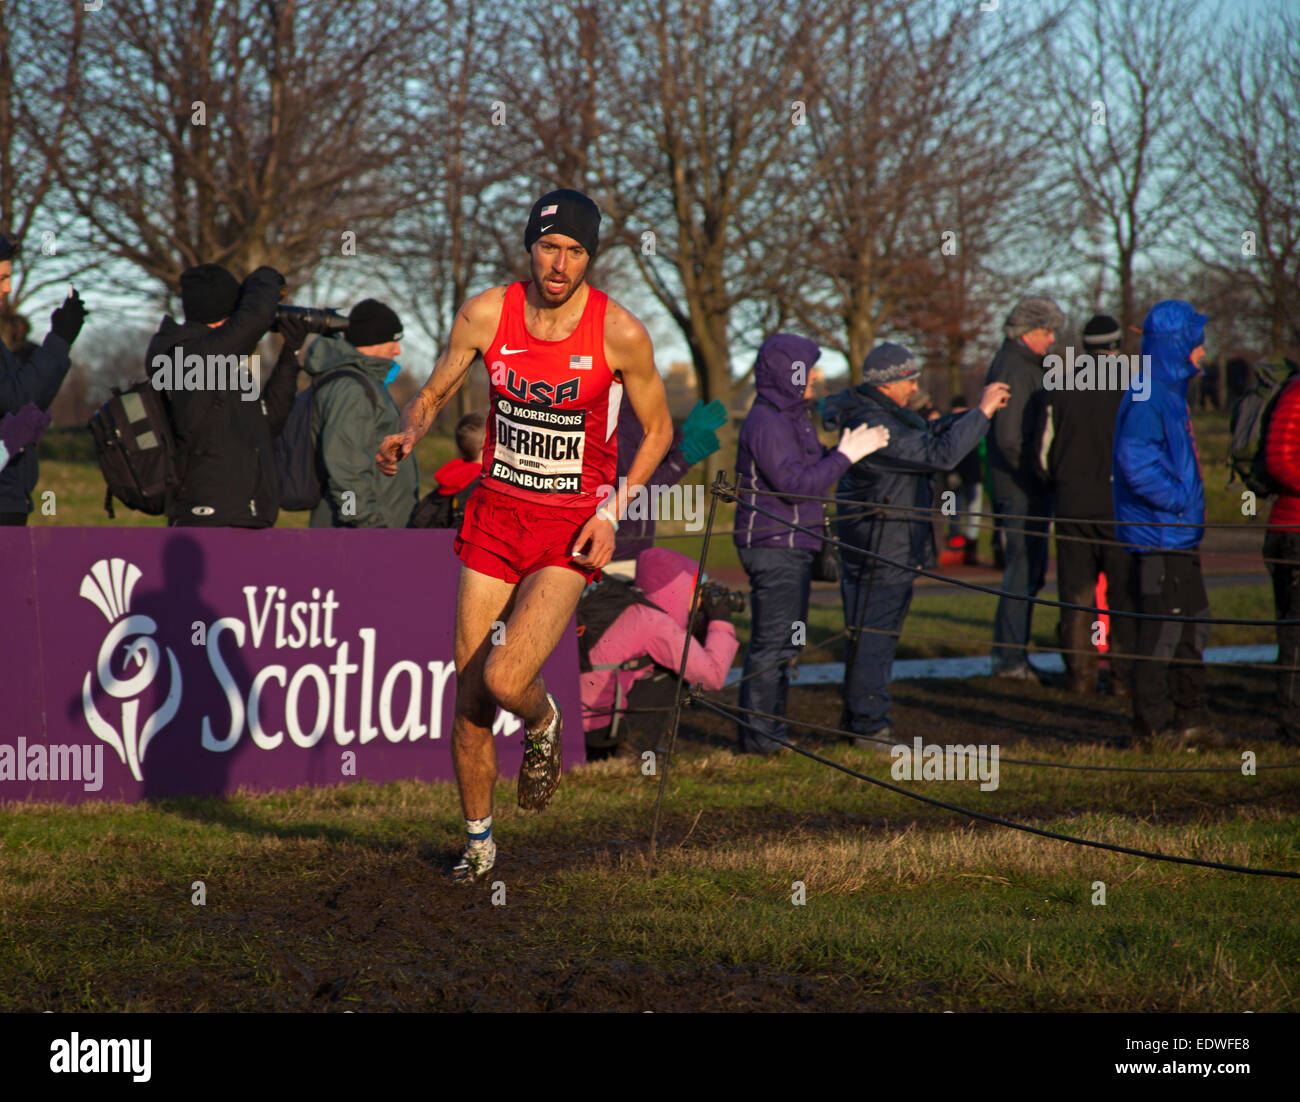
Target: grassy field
337, 898
779, 885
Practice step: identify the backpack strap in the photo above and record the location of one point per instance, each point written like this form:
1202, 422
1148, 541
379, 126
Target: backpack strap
338, 373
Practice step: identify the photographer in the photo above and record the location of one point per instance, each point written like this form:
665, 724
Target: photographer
225, 465
31, 377
630, 642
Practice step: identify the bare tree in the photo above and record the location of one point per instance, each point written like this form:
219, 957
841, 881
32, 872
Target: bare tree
245, 132
36, 102
1121, 81
1249, 166
679, 116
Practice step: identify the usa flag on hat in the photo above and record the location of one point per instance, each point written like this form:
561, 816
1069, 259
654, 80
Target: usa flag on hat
554, 208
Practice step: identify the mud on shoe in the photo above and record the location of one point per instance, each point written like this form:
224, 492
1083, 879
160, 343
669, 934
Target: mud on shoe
539, 775
478, 858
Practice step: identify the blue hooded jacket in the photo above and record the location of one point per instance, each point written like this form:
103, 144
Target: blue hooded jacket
1157, 479
779, 450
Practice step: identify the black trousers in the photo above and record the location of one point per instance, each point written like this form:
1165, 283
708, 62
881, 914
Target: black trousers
1084, 550
1285, 546
1169, 693
645, 722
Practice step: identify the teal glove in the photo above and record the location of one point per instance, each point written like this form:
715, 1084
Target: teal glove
699, 435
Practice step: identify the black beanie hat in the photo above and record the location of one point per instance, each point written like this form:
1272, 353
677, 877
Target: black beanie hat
208, 293
371, 322
1102, 331
568, 212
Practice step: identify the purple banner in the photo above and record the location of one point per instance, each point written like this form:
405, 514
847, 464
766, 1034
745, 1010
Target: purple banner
142, 662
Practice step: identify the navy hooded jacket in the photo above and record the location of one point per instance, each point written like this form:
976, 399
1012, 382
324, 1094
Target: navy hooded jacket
1157, 478
779, 450
900, 473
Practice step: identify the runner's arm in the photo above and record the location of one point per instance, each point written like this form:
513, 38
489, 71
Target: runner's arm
472, 331
629, 351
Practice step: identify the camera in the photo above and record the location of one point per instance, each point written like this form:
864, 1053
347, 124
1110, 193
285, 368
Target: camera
731, 599
318, 319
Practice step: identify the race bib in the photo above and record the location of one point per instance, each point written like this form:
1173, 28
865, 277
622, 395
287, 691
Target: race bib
538, 448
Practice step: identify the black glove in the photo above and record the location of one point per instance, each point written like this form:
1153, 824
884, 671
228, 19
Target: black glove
294, 331
715, 604
17, 430
67, 320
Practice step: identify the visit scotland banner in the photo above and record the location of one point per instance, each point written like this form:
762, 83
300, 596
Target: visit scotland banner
153, 662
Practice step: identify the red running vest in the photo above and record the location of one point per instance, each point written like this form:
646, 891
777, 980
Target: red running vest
554, 408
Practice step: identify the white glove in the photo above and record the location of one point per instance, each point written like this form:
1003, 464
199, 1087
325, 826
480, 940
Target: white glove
862, 441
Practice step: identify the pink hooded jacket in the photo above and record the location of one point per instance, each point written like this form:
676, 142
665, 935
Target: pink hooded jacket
667, 578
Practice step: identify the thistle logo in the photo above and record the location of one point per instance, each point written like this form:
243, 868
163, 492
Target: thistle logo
108, 587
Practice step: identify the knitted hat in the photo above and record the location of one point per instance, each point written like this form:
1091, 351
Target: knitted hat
371, 322
1102, 331
568, 212
889, 363
1034, 313
208, 293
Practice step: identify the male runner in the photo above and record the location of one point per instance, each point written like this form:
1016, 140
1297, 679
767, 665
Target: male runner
560, 354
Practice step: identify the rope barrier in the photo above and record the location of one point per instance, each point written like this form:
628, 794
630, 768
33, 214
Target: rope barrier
884, 506
823, 729
922, 572
1111, 847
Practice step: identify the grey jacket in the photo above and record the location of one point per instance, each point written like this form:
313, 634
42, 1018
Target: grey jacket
349, 430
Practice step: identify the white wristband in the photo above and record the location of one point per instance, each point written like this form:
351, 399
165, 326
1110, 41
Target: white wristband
604, 511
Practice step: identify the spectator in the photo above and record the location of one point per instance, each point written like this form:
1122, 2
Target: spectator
1075, 439
31, 376
1157, 481
1282, 551
225, 462
779, 452
877, 593
697, 439
350, 419
966, 481
636, 657
1239, 377
1030, 331
457, 479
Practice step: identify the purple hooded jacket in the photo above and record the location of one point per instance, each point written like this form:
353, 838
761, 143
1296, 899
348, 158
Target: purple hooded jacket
779, 450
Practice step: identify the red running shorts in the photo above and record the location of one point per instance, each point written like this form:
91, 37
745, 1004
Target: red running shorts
508, 538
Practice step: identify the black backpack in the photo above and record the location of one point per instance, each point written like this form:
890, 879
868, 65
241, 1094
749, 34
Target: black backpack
436, 510
136, 449
599, 607
1249, 421
298, 461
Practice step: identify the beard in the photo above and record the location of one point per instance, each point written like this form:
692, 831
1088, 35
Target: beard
551, 298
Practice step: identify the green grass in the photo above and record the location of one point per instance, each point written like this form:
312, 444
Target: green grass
906, 907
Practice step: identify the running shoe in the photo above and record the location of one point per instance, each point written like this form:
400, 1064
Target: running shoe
478, 858
539, 775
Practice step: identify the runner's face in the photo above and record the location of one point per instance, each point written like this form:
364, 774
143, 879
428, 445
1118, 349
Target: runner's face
559, 265
6, 270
